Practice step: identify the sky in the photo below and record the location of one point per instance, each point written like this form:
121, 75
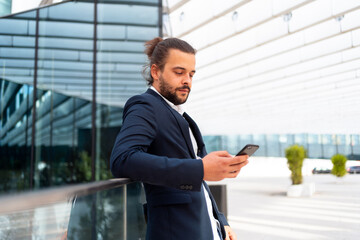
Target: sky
23, 5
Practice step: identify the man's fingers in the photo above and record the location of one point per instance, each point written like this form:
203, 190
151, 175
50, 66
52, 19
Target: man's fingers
223, 154
239, 160
234, 170
219, 165
227, 235
233, 174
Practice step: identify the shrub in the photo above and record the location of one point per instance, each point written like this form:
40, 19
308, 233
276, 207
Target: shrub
295, 155
339, 162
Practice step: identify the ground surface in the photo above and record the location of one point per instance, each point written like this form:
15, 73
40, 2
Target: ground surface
259, 209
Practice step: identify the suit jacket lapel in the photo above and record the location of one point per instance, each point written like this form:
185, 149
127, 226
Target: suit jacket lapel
184, 126
182, 123
196, 131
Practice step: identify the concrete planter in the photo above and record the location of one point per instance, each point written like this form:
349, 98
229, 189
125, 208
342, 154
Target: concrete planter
295, 190
301, 190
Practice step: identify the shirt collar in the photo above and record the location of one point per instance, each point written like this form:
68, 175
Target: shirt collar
178, 108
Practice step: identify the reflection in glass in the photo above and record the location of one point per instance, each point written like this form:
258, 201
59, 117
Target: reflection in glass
17, 61
110, 214
120, 58
63, 135
116, 213
47, 222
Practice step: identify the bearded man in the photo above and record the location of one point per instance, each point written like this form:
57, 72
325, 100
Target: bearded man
161, 146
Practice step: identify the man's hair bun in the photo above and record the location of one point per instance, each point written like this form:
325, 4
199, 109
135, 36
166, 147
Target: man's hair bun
150, 46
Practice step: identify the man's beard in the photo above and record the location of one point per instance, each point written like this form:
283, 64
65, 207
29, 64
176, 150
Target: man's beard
165, 90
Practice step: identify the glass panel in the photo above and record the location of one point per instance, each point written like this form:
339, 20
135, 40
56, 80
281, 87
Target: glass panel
232, 144
66, 29
142, 33
260, 139
110, 214
315, 148
128, 14
122, 31
341, 146
15, 26
63, 122
64, 81
14, 143
301, 139
107, 214
72, 11
213, 143
47, 222
273, 146
245, 139
329, 143
29, 14
355, 144
17, 62
62, 140
65, 48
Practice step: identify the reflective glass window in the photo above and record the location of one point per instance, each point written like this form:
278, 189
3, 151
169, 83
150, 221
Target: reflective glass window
273, 146
63, 134
315, 148
120, 57
115, 213
128, 14
260, 139
329, 148
355, 146
343, 146
17, 62
63, 118
212, 143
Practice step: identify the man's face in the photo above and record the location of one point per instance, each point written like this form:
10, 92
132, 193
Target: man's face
175, 81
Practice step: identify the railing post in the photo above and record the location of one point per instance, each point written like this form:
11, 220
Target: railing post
125, 212
220, 195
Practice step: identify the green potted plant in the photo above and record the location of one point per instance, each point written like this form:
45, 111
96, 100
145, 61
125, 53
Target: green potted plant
295, 155
339, 168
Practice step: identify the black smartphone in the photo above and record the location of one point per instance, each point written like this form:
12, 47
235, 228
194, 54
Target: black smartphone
249, 149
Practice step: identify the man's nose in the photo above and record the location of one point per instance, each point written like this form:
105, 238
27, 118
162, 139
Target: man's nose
187, 80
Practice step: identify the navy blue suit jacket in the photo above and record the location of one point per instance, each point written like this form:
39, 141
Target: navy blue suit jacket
154, 147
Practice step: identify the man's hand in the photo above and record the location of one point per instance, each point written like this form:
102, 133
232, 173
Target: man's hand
230, 235
220, 165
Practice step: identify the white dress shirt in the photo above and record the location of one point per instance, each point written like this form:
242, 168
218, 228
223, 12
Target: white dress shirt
213, 220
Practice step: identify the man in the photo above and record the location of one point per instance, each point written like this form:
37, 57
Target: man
162, 146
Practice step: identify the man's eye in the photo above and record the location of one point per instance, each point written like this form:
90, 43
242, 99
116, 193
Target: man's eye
179, 73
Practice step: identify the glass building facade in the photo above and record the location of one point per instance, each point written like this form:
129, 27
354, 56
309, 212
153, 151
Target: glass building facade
66, 71
319, 146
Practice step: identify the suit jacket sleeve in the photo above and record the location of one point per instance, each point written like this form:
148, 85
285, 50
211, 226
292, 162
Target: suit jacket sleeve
130, 158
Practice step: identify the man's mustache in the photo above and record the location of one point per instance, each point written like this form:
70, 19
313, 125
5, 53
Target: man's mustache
184, 87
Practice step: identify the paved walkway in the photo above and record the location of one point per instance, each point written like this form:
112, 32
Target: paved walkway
259, 209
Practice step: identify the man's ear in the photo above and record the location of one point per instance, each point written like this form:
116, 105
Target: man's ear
155, 72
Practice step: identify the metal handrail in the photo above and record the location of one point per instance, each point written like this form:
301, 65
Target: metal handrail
34, 199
